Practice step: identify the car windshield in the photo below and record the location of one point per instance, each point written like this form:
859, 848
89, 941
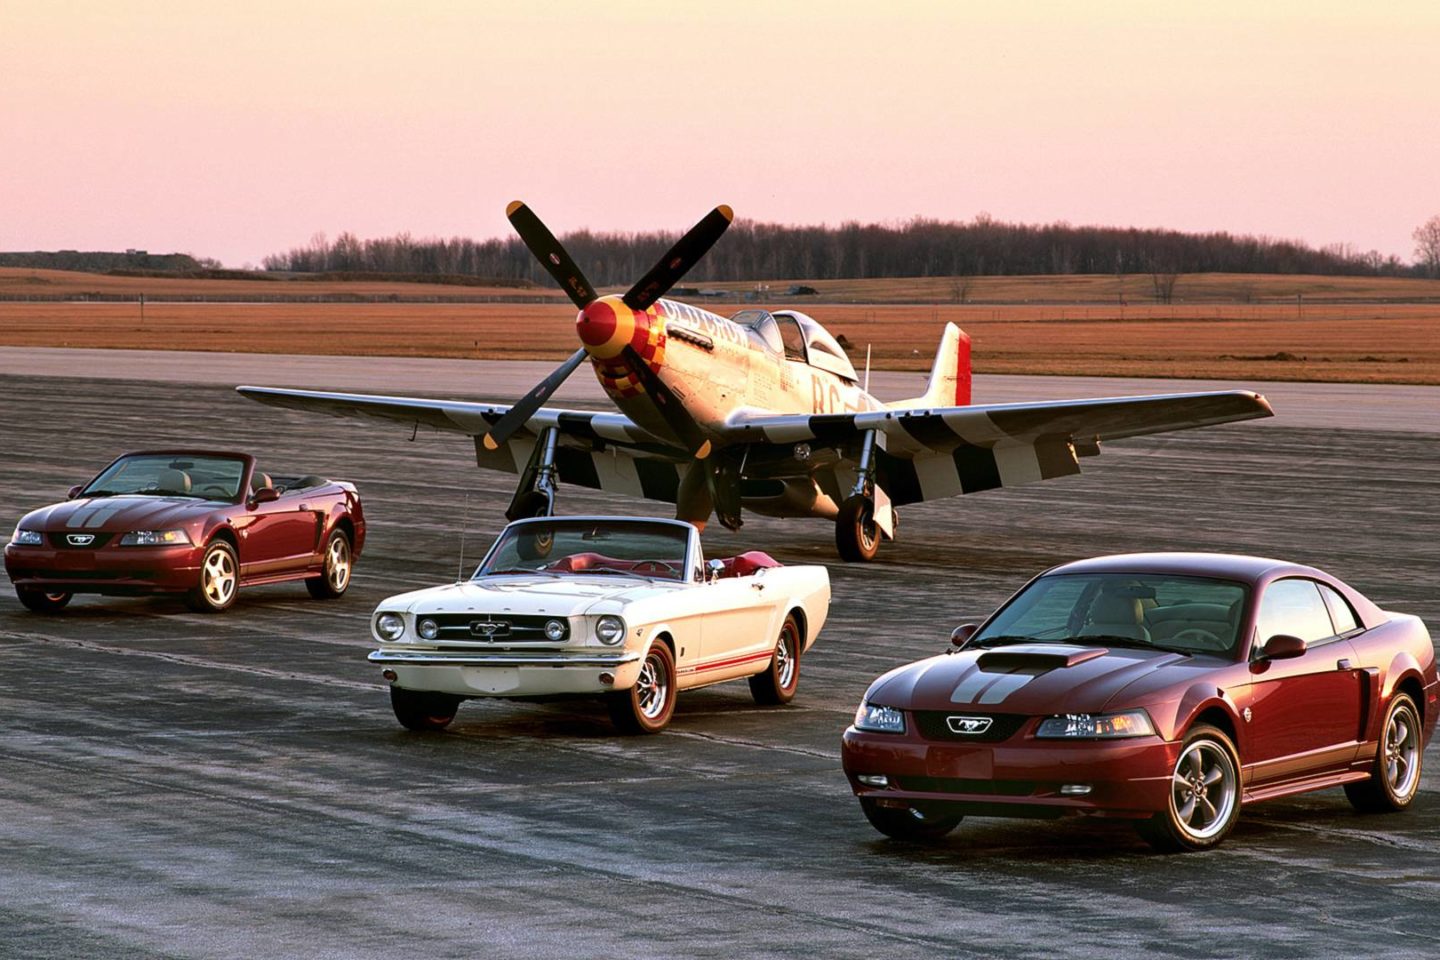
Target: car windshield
625, 548
170, 475
1183, 614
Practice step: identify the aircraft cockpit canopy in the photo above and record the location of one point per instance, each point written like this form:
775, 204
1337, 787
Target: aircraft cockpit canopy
797, 337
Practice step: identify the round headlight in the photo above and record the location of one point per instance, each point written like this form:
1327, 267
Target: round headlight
390, 626
428, 629
610, 630
555, 630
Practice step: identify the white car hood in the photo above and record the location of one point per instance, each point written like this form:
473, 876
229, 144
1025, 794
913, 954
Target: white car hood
554, 596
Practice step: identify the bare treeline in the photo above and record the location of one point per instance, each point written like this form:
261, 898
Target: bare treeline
917, 248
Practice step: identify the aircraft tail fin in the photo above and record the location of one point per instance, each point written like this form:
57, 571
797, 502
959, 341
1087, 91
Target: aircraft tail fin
949, 384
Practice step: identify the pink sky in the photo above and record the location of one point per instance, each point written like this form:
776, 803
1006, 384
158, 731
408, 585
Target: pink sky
238, 130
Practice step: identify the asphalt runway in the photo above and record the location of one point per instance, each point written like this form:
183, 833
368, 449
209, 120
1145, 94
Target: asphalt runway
185, 786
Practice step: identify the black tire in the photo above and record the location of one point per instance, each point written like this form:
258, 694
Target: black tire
219, 579
339, 564
42, 602
857, 536
914, 824
1213, 805
778, 683
1398, 757
537, 546
421, 711
647, 706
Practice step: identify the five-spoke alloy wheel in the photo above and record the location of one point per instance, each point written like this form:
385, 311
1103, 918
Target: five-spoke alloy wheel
1395, 778
1204, 795
219, 578
339, 561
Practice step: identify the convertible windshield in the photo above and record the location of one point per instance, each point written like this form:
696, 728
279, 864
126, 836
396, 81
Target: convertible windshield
585, 547
1185, 614
170, 475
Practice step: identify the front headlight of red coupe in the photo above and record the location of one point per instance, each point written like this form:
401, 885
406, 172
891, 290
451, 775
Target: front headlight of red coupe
26, 538
879, 719
1097, 726
154, 538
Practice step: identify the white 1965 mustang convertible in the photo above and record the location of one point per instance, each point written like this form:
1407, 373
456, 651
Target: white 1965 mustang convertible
617, 607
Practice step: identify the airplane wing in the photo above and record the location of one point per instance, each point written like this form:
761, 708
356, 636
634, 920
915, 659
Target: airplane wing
944, 451
604, 451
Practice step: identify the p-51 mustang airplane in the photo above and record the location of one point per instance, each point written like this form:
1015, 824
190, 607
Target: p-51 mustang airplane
762, 411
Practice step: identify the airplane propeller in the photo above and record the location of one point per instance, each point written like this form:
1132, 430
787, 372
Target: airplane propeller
686, 252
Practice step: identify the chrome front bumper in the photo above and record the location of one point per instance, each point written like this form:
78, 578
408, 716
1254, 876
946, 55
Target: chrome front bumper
465, 659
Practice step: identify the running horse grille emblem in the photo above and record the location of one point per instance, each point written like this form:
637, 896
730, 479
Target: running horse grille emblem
969, 725
80, 539
489, 629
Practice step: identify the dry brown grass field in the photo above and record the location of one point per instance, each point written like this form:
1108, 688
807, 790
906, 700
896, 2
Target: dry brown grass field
26, 281
1381, 343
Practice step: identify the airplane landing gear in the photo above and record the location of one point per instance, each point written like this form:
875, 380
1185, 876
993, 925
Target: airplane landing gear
535, 494
866, 515
857, 536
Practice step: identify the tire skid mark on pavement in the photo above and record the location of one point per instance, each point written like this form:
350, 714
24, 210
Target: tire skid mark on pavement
582, 859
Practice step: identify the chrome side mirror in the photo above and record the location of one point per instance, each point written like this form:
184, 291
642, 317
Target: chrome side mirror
961, 635
715, 568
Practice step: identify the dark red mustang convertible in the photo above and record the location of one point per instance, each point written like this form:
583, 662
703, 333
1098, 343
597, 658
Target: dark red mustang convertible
198, 523
1169, 689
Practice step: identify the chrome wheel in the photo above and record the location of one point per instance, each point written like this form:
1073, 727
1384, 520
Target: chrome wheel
1204, 790
785, 658
1401, 748
217, 577
337, 564
652, 688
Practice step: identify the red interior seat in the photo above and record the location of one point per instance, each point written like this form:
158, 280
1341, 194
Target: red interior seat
747, 563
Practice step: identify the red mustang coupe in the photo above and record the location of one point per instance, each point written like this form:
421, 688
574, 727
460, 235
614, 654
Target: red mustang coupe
199, 523
1169, 689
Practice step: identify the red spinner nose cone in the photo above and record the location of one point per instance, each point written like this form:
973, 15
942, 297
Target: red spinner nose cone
606, 326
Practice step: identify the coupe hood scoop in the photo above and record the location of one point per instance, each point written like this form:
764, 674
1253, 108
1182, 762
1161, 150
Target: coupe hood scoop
1037, 656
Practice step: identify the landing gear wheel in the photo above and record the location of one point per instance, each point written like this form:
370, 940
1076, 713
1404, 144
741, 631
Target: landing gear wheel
335, 579
536, 546
421, 711
1396, 777
857, 536
778, 683
1204, 795
915, 824
219, 576
42, 602
647, 706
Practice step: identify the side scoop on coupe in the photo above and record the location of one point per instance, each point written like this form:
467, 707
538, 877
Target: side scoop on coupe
1167, 689
200, 524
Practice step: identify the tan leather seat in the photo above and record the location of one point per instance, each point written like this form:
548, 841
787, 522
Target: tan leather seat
177, 481
259, 480
1117, 615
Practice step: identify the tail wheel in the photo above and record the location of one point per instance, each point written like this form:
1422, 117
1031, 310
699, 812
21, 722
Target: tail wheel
647, 706
1204, 800
339, 563
1396, 776
42, 602
423, 711
779, 681
857, 536
916, 824
219, 579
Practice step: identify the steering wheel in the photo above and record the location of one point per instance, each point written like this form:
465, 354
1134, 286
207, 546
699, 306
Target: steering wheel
1204, 638
657, 566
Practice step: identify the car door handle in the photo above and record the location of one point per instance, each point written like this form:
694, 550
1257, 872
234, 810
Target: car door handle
757, 586
1343, 664
304, 507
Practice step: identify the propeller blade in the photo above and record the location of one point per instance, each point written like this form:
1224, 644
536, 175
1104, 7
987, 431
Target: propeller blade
676, 417
685, 254
516, 416
551, 255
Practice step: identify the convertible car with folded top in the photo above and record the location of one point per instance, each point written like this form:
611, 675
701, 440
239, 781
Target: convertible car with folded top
619, 608
192, 522
1169, 689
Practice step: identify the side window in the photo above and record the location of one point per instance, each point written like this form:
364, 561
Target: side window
1340, 611
794, 339
1294, 607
